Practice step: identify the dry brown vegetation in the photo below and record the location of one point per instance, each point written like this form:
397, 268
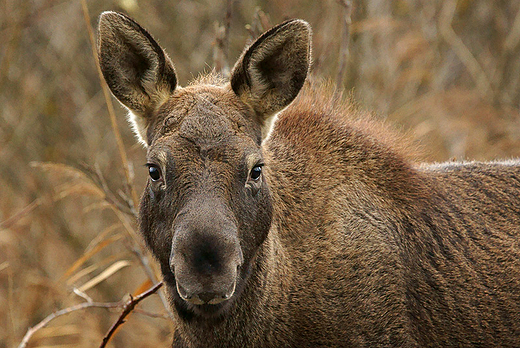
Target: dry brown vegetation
447, 72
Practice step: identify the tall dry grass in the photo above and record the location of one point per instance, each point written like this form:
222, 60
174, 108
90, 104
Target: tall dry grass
447, 72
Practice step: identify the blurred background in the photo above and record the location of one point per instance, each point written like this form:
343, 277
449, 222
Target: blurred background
445, 72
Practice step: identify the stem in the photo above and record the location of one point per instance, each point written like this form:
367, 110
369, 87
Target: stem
110, 108
128, 307
344, 49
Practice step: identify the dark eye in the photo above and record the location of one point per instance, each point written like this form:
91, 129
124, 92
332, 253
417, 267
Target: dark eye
256, 172
155, 172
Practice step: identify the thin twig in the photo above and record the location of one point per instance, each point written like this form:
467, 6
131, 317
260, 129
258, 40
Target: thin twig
221, 47
259, 24
227, 27
4, 265
110, 107
128, 202
10, 300
138, 251
152, 315
82, 295
150, 274
461, 50
16, 217
107, 305
263, 20
13, 42
506, 64
128, 307
97, 176
32, 330
344, 48
513, 38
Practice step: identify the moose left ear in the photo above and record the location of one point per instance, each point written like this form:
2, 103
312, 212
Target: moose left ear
135, 67
271, 72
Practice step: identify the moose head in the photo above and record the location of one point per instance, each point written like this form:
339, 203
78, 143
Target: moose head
206, 209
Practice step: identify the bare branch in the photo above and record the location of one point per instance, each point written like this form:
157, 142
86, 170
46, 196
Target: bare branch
263, 19
83, 295
513, 38
68, 310
16, 217
150, 274
97, 176
345, 39
221, 47
461, 50
128, 307
152, 315
227, 25
259, 24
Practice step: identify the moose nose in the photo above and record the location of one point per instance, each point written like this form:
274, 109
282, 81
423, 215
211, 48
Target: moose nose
206, 253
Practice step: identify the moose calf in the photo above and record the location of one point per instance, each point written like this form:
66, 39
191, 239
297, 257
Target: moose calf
313, 229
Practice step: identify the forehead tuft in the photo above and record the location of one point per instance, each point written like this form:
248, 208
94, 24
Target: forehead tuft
205, 114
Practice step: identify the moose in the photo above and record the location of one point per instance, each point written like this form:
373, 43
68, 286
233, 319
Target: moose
283, 217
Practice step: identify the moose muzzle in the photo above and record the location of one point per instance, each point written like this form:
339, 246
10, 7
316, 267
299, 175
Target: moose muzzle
206, 255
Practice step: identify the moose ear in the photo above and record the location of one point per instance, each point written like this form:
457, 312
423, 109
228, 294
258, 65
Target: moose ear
271, 72
136, 69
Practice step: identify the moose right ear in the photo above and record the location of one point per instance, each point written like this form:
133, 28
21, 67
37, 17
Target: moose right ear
136, 69
271, 72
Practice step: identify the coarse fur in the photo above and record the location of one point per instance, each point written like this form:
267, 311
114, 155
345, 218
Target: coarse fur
342, 241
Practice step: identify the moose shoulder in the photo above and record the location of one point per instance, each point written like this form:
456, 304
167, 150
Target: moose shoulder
313, 230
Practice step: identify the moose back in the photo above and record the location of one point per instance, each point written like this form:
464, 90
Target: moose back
281, 218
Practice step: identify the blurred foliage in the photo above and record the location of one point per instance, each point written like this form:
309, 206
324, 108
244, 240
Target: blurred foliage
447, 72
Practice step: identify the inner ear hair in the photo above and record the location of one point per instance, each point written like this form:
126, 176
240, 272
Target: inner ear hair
271, 72
137, 70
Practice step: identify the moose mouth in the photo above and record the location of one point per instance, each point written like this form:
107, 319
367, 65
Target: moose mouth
206, 298
201, 307
190, 309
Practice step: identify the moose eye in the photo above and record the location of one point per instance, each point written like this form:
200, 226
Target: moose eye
256, 172
155, 172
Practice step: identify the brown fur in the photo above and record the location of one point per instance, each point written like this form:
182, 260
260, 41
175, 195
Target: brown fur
343, 241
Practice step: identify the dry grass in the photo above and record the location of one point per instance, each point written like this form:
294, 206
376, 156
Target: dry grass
447, 71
